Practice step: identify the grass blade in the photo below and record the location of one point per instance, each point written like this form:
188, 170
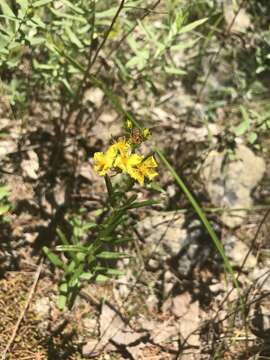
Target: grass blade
204, 220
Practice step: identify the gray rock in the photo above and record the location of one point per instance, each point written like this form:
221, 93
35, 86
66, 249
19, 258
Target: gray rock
196, 249
229, 182
42, 309
169, 237
153, 264
261, 278
164, 233
237, 250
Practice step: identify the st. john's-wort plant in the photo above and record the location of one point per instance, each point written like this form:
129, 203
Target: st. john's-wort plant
93, 257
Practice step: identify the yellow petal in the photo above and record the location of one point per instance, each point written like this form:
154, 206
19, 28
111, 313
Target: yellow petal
134, 160
111, 153
126, 163
151, 174
144, 169
137, 175
122, 147
121, 162
98, 156
150, 162
102, 163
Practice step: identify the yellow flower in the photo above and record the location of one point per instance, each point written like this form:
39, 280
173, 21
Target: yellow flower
103, 162
144, 169
121, 146
126, 163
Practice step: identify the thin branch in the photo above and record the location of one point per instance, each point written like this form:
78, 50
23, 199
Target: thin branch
147, 12
121, 6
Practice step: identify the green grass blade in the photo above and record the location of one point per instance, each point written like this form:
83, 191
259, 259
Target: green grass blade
203, 219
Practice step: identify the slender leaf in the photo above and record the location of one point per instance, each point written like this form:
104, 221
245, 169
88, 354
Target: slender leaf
203, 219
73, 248
192, 26
39, 3
102, 278
86, 276
6, 9
55, 260
140, 204
112, 255
62, 300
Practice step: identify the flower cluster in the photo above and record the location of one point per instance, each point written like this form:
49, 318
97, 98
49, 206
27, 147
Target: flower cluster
120, 156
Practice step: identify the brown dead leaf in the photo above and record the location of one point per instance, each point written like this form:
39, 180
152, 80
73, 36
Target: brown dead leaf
189, 317
189, 323
163, 332
181, 304
112, 328
94, 347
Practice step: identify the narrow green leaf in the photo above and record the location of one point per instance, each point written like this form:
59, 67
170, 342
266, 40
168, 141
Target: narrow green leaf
62, 236
54, 259
102, 278
63, 288
174, 70
73, 248
114, 272
74, 280
112, 255
6, 9
106, 13
204, 221
71, 267
39, 3
68, 16
36, 21
73, 37
192, 26
86, 276
62, 300
140, 204
73, 7
109, 271
121, 241
81, 256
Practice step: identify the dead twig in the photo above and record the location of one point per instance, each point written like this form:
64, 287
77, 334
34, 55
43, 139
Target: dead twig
30, 296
